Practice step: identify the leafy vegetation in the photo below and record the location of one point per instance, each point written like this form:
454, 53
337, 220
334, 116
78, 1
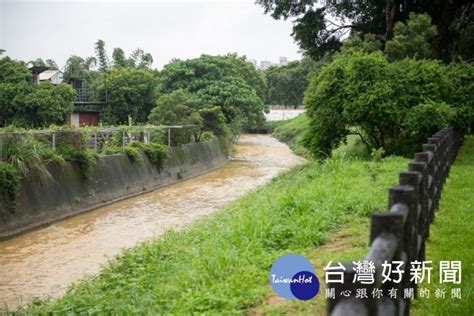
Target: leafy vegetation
28, 105
319, 27
9, 186
395, 106
292, 132
157, 153
221, 264
225, 81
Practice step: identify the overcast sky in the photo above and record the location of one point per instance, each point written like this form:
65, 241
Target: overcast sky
167, 29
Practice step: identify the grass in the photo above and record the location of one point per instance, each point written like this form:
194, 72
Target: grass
451, 238
292, 132
221, 263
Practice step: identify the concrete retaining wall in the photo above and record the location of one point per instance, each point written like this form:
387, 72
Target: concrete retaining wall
115, 177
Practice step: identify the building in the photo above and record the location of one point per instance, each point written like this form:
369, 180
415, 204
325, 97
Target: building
81, 118
53, 76
265, 64
283, 61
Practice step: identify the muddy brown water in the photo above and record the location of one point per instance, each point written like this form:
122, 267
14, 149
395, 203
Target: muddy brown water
46, 261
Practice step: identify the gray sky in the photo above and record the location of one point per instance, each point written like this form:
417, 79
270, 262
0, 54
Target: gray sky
167, 29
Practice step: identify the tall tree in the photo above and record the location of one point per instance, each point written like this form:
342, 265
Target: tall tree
101, 54
319, 28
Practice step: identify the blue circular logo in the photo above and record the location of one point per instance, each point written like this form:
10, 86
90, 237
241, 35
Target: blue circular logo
293, 277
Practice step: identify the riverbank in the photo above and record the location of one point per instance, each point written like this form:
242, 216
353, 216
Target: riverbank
220, 264
44, 262
66, 192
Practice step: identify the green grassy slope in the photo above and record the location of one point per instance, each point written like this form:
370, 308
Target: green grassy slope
221, 264
451, 238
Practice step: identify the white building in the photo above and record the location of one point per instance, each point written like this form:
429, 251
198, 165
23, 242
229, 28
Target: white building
54, 76
283, 61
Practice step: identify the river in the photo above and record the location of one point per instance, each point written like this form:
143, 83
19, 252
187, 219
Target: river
46, 261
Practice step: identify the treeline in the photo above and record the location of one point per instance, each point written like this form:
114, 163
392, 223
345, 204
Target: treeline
215, 94
404, 71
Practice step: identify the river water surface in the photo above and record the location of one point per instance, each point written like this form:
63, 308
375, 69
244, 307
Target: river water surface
45, 261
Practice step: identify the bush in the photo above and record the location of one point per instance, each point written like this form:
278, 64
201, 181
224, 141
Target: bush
157, 153
85, 159
392, 105
9, 186
133, 153
207, 136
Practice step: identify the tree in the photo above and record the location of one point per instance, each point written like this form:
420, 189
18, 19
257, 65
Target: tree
130, 92
225, 81
176, 108
286, 84
78, 67
14, 81
412, 39
395, 106
118, 58
319, 28
46, 104
101, 54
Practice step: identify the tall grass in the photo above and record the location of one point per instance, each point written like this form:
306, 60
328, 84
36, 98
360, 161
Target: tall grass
451, 238
220, 265
292, 132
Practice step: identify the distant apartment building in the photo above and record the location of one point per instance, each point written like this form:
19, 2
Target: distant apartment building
265, 64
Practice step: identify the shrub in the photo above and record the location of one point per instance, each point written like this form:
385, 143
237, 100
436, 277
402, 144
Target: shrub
133, 153
207, 136
157, 153
9, 186
392, 105
85, 159
26, 154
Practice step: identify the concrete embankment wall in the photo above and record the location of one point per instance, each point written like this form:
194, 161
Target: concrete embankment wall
114, 177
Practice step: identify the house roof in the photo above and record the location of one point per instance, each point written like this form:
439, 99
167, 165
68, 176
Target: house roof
48, 74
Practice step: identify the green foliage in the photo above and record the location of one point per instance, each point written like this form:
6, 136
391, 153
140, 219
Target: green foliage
132, 152
156, 153
28, 105
319, 28
392, 105
85, 159
101, 54
46, 104
72, 147
426, 119
225, 81
413, 39
220, 264
368, 44
292, 132
26, 154
130, 91
9, 186
12, 71
449, 235
213, 121
207, 136
177, 108
286, 84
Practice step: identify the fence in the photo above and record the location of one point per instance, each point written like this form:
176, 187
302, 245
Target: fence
400, 234
100, 136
